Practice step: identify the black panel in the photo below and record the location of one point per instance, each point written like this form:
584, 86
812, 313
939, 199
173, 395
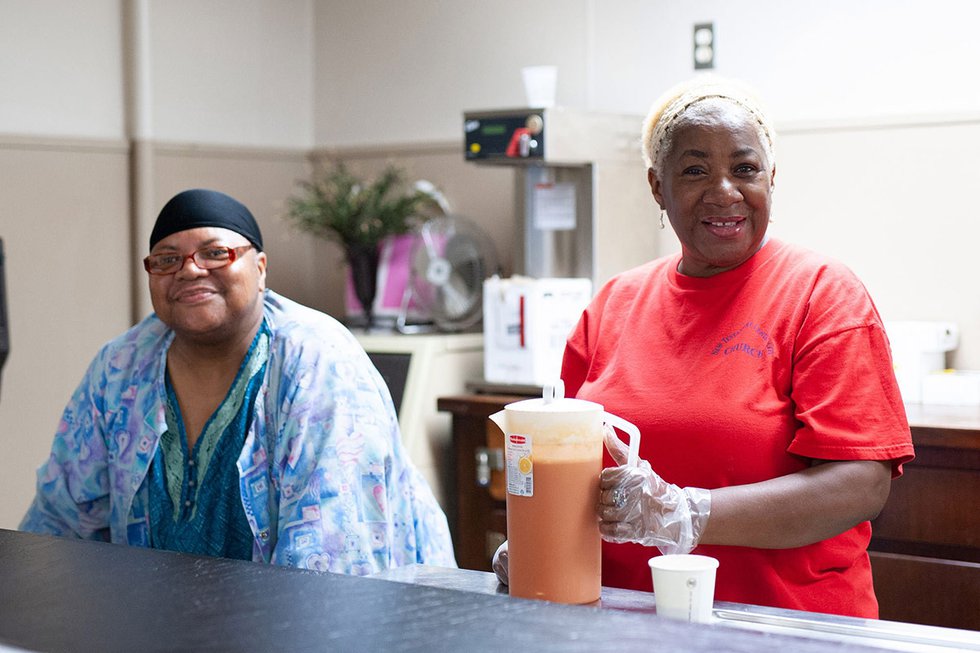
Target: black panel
394, 370
63, 594
488, 137
4, 333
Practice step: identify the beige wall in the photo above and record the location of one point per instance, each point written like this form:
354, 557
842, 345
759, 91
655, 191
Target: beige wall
65, 221
64, 215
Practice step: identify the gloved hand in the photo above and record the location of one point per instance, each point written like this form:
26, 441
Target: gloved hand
499, 564
636, 505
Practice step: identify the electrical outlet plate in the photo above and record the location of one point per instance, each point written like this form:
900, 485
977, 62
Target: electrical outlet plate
704, 46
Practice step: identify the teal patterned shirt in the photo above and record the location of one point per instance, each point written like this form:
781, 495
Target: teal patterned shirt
324, 480
190, 510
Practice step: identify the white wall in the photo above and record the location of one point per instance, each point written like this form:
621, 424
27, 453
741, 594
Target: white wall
233, 72
236, 72
402, 72
61, 68
829, 60
894, 203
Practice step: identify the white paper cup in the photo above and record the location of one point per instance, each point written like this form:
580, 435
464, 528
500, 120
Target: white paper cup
539, 85
684, 586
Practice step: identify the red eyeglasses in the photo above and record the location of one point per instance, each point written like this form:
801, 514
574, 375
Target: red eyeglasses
206, 258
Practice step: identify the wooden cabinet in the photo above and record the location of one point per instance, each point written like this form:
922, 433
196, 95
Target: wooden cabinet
480, 520
925, 550
925, 547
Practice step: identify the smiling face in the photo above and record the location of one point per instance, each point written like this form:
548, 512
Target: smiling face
209, 306
716, 187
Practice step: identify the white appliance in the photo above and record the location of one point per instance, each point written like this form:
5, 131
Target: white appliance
952, 388
918, 350
525, 325
418, 370
583, 203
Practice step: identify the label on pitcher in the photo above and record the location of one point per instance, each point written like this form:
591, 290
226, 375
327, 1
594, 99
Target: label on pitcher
520, 465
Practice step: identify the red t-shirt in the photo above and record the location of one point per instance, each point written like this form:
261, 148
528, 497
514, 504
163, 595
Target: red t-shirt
742, 377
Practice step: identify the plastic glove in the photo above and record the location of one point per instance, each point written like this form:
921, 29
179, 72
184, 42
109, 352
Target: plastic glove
499, 564
636, 505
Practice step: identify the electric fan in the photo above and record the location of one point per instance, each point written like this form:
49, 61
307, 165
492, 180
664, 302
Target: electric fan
449, 261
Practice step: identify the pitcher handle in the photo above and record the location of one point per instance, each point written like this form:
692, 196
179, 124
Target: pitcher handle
552, 391
630, 429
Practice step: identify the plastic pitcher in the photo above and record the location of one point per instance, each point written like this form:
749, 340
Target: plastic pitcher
553, 452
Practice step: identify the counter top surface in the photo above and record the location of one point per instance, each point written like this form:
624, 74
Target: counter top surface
932, 415
889, 635
70, 595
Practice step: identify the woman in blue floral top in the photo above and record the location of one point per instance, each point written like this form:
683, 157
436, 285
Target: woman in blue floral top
234, 422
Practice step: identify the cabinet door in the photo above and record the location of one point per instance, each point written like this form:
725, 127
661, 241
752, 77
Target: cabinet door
929, 591
479, 522
479, 519
925, 545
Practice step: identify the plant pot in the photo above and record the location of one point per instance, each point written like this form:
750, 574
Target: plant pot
363, 260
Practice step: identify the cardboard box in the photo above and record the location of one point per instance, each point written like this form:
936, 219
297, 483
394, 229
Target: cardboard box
951, 388
525, 325
919, 349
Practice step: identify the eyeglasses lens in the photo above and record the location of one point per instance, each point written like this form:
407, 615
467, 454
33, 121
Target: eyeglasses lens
209, 258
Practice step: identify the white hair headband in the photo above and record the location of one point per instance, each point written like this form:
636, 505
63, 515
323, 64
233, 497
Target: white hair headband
657, 126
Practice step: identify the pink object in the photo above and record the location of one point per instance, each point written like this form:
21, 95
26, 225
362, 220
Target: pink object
394, 268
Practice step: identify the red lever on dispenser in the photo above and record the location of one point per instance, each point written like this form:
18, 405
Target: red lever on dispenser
514, 146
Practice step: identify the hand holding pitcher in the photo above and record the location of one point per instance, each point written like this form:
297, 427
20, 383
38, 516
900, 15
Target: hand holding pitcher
553, 453
636, 505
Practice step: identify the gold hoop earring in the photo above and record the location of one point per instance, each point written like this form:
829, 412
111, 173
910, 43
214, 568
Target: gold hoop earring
663, 214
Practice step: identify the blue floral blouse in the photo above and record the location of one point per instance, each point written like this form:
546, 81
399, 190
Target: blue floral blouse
324, 479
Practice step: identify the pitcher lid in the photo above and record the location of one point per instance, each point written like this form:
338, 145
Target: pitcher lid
553, 400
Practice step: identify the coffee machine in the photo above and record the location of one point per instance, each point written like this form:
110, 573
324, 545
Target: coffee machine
583, 201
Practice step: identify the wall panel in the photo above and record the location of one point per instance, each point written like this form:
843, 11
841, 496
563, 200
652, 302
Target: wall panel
65, 224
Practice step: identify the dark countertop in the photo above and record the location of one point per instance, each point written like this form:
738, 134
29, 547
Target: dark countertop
890, 635
951, 428
58, 594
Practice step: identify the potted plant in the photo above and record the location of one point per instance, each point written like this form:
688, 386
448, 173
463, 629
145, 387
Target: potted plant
357, 214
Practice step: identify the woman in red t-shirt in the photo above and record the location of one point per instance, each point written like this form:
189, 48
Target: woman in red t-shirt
758, 372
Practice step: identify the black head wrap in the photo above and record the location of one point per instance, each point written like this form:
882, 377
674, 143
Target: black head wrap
205, 208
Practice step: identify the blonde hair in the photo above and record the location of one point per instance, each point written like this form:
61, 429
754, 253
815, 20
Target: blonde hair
657, 128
